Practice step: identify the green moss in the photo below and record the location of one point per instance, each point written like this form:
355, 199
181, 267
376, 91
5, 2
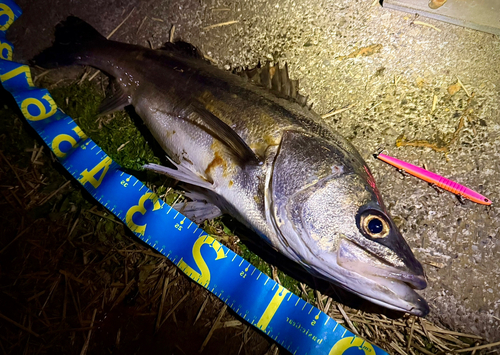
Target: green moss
116, 134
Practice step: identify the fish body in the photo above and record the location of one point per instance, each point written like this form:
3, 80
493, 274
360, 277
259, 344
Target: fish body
263, 158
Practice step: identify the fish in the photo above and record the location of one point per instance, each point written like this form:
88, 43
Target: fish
259, 153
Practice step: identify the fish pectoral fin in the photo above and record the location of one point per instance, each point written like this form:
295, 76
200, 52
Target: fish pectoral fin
182, 174
226, 135
114, 102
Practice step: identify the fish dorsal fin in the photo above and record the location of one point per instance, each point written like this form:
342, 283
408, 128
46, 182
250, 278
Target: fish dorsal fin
276, 80
183, 48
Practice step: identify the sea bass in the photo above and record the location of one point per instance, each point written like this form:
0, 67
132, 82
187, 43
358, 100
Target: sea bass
259, 156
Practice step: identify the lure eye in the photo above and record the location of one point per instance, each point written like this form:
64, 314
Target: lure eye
374, 226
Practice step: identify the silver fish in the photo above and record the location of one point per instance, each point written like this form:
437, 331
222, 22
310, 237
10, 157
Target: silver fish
259, 156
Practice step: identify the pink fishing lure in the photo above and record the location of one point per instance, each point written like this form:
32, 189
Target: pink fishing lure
435, 179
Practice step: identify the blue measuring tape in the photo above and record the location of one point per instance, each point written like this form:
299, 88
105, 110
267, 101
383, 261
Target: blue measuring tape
292, 322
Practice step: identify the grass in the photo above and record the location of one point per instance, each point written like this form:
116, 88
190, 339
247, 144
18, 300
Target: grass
116, 134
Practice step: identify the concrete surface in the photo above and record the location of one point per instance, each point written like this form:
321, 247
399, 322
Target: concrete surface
480, 15
392, 90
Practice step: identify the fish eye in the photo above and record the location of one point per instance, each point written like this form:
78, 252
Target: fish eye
375, 226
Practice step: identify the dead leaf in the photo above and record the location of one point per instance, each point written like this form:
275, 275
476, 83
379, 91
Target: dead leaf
453, 89
435, 4
363, 52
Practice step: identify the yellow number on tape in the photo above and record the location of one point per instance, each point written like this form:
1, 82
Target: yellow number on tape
43, 111
23, 69
89, 176
56, 142
5, 10
5, 47
142, 210
202, 277
352, 342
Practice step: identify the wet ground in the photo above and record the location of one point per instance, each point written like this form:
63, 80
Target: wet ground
389, 93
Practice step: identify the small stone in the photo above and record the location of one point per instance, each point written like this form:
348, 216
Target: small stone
420, 82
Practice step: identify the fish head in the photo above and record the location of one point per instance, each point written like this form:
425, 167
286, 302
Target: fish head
330, 218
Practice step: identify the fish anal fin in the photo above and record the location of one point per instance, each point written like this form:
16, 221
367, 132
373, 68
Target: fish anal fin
199, 208
116, 101
198, 211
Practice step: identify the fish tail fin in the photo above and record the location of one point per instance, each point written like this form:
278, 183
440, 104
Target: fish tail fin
74, 40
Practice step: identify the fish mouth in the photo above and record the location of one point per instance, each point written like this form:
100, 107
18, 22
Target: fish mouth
381, 283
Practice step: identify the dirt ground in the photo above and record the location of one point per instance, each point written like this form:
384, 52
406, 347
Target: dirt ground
400, 90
